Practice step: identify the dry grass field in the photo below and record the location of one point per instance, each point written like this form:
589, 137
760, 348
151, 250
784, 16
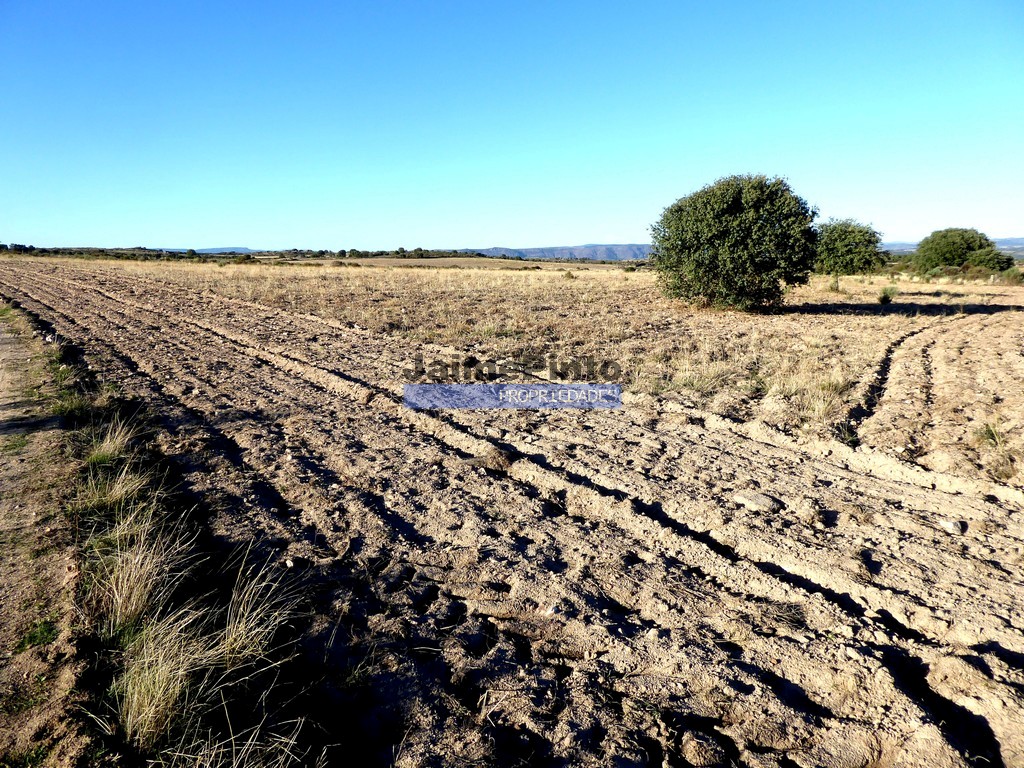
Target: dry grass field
799, 543
804, 369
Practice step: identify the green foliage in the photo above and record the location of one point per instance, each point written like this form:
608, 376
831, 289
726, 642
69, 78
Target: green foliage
735, 242
990, 258
40, 633
29, 758
847, 247
949, 248
13, 444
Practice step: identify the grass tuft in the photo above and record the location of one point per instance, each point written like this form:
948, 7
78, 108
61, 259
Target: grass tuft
989, 434
161, 675
259, 606
103, 493
71, 405
110, 444
252, 748
136, 567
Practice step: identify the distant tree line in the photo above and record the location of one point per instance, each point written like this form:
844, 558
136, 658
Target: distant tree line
143, 253
742, 240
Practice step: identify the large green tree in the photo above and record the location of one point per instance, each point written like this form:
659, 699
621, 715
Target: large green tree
950, 248
990, 258
737, 242
847, 247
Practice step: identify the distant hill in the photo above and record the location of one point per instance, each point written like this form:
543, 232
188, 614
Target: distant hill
591, 252
1014, 245
900, 247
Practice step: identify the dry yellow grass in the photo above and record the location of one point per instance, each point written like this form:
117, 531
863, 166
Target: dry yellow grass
795, 368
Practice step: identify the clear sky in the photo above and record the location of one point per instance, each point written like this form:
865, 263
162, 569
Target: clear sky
437, 123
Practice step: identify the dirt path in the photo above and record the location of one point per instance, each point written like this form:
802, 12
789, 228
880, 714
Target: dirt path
38, 668
656, 585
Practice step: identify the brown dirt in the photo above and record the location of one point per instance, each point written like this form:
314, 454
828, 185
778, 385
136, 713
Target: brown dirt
38, 666
656, 586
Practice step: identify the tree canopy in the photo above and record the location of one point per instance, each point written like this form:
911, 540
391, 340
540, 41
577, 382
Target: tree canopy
950, 248
847, 247
737, 242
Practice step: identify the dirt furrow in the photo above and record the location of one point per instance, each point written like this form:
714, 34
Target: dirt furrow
844, 588
534, 547
769, 547
480, 447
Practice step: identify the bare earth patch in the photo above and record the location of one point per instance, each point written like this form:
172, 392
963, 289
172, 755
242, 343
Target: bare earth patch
764, 559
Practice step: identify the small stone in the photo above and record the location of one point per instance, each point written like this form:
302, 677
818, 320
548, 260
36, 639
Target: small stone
957, 527
756, 502
701, 750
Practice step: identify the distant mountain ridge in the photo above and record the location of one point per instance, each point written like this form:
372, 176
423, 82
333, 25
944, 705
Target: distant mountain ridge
612, 252
1014, 245
590, 252
635, 251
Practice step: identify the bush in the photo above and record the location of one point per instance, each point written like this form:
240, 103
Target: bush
949, 248
735, 243
847, 247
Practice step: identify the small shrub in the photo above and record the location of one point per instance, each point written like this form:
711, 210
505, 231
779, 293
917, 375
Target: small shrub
888, 294
1013, 276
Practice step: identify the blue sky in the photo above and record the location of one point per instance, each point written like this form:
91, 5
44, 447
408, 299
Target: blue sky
474, 124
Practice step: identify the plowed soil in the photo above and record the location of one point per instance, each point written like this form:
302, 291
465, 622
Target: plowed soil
659, 585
